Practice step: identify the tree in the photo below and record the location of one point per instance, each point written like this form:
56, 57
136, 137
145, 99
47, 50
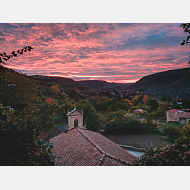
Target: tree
186, 27
90, 116
23, 115
5, 57
146, 100
177, 154
137, 99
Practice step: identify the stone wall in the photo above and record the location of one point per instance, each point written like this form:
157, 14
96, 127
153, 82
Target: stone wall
71, 119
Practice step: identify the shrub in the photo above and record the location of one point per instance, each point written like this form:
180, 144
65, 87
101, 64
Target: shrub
177, 154
172, 129
116, 115
124, 127
149, 126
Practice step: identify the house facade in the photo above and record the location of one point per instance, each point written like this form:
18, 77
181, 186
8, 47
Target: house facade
177, 116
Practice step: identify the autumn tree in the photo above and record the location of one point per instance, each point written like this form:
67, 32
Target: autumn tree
137, 99
55, 88
145, 100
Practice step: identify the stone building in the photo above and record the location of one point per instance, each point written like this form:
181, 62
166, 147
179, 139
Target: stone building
75, 118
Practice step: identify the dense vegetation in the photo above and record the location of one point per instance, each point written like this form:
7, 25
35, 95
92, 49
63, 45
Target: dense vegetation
173, 82
30, 108
33, 106
177, 154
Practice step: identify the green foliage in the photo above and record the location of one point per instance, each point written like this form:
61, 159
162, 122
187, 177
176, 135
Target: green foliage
176, 106
137, 99
102, 120
172, 129
113, 107
142, 106
149, 126
19, 138
124, 127
17, 90
90, 117
186, 103
116, 116
153, 103
177, 154
159, 113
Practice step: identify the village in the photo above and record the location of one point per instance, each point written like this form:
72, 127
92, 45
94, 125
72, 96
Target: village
82, 152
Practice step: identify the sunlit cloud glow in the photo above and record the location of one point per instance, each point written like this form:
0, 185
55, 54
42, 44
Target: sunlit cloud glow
111, 52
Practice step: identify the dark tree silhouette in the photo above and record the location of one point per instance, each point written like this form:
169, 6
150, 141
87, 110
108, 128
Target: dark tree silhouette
186, 27
5, 57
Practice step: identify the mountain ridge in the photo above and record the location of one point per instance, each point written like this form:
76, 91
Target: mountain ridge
175, 83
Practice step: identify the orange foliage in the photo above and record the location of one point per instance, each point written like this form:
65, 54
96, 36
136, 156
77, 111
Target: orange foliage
55, 88
50, 100
104, 99
129, 102
145, 100
77, 90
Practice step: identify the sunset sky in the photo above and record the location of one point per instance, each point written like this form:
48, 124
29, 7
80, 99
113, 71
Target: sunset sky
112, 52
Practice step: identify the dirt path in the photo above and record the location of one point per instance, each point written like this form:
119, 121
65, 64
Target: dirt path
139, 141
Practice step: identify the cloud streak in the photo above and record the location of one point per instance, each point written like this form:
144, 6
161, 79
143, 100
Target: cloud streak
112, 52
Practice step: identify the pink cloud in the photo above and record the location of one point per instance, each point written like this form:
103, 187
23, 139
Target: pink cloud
111, 52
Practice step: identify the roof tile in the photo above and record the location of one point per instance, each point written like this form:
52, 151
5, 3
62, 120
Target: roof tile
87, 148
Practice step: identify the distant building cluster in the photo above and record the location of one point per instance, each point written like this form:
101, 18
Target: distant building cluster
177, 116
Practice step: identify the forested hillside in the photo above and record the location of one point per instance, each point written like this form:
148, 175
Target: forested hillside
103, 85
173, 82
30, 107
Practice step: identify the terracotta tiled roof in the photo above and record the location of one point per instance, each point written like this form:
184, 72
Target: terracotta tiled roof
173, 110
81, 147
174, 115
138, 111
184, 114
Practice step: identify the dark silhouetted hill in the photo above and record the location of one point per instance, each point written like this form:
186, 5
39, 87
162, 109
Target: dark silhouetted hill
173, 82
103, 85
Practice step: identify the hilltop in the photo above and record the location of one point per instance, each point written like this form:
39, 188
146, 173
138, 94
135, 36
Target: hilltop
61, 82
99, 85
173, 82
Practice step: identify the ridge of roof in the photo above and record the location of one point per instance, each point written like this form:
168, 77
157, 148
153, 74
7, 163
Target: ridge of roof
75, 109
104, 154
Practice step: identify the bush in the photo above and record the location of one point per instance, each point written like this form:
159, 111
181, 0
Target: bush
172, 129
149, 126
177, 154
116, 115
124, 127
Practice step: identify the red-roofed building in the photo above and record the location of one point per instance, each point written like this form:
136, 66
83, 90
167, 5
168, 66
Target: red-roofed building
177, 116
138, 111
81, 147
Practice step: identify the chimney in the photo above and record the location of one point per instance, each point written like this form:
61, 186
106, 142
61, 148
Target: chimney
82, 110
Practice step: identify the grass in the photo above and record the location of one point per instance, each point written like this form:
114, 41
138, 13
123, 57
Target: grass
171, 139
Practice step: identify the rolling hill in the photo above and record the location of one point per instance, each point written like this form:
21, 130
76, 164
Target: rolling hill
173, 82
99, 85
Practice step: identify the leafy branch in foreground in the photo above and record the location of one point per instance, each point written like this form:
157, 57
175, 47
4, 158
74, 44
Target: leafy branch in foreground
5, 57
186, 27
